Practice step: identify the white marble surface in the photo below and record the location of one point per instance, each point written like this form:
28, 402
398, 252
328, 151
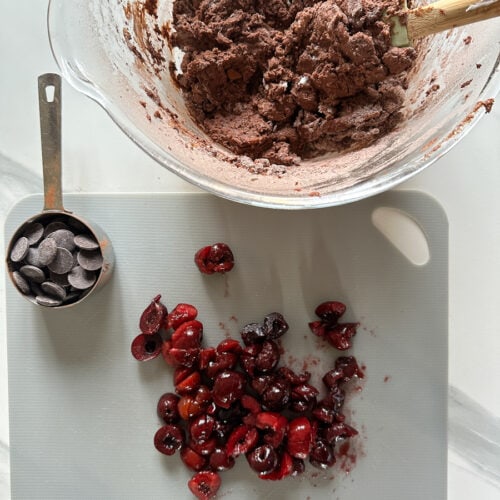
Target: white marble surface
98, 158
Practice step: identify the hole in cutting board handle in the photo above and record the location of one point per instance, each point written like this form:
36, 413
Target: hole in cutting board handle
403, 232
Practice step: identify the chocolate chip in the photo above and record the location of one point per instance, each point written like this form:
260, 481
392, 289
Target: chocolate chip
47, 251
59, 279
54, 226
44, 300
53, 290
21, 283
63, 261
33, 257
64, 239
80, 278
20, 249
33, 273
77, 227
90, 260
35, 288
86, 242
73, 296
34, 232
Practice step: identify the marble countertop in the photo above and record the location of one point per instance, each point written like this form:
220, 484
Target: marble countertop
466, 181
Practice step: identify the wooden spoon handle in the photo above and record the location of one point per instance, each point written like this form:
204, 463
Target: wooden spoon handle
446, 14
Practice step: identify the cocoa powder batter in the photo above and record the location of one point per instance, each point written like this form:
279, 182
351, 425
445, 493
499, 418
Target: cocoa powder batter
284, 79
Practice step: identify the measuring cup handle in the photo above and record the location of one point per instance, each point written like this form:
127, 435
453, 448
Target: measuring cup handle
49, 99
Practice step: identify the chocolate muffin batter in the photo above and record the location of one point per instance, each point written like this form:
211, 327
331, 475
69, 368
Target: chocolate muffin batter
284, 79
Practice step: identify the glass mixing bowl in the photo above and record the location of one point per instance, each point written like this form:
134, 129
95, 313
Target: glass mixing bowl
111, 51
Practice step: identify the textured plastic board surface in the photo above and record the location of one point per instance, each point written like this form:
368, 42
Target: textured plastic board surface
83, 411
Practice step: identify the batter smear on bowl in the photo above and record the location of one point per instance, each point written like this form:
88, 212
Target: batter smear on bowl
290, 79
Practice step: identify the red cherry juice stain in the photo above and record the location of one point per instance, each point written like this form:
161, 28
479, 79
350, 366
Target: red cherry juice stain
387, 378
364, 328
226, 285
225, 329
280, 347
346, 457
310, 361
321, 344
233, 318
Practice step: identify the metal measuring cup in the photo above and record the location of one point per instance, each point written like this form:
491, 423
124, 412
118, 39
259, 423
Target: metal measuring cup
85, 242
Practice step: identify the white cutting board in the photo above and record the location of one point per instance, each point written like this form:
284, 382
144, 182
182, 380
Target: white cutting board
83, 411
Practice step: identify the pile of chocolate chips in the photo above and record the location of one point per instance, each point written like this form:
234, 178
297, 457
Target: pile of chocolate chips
55, 263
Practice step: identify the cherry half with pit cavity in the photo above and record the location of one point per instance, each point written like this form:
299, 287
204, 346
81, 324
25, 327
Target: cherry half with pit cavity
216, 258
153, 317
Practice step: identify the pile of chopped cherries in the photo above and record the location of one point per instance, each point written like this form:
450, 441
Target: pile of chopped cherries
234, 399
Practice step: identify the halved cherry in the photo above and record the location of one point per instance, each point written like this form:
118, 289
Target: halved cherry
338, 430
229, 345
275, 426
153, 317
183, 357
180, 314
188, 335
263, 459
168, 439
284, 469
340, 335
205, 484
203, 396
349, 368
251, 404
189, 384
145, 347
274, 325
219, 460
268, 357
242, 440
253, 333
167, 408
222, 361
333, 377
229, 386
324, 414
318, 328
322, 455
216, 258
204, 448
330, 311
189, 407
165, 352
292, 377
181, 372
303, 397
299, 437
201, 428
192, 459
206, 355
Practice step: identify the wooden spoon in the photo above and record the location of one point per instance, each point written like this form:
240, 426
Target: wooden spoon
439, 16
